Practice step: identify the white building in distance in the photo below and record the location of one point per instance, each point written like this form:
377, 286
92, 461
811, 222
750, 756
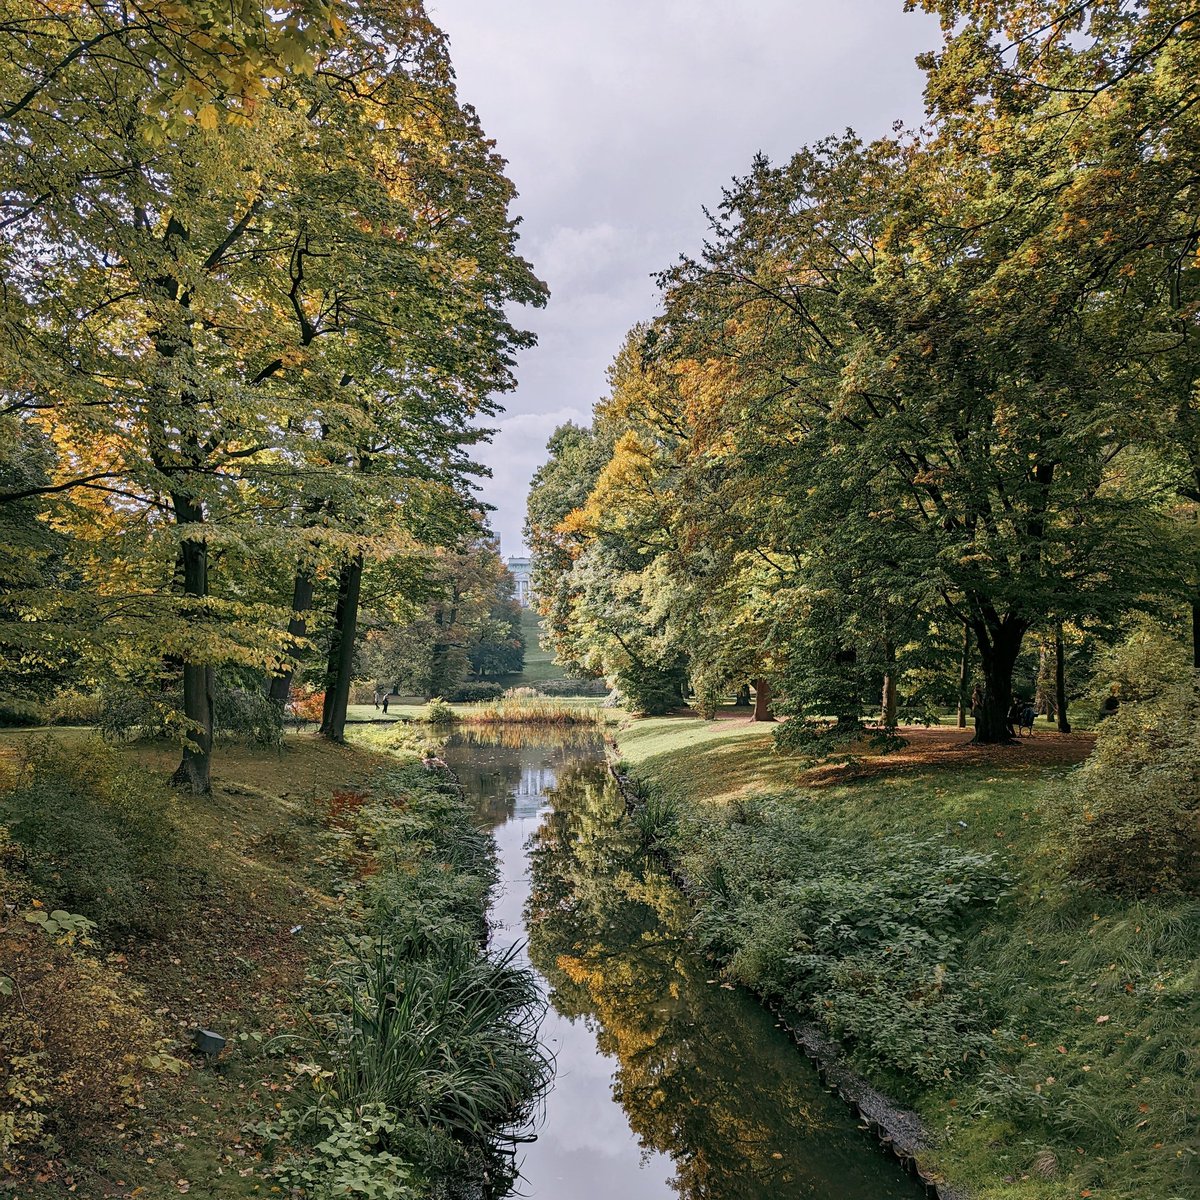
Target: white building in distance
520, 568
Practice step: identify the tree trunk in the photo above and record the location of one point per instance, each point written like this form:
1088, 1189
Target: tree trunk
743, 697
193, 771
888, 709
999, 645
1060, 679
302, 596
1044, 700
341, 652
964, 677
1196, 633
762, 701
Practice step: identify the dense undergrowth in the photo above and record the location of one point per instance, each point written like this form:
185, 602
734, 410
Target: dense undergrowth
421, 1047
950, 927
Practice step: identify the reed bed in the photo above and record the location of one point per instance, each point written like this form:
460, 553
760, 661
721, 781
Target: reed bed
531, 710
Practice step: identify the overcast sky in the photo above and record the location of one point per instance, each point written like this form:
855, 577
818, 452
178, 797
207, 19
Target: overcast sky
620, 119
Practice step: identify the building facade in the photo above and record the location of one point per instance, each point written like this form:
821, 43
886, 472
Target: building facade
520, 568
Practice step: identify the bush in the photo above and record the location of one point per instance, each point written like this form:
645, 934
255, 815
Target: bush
19, 713
1137, 798
866, 937
305, 704
97, 838
650, 691
74, 708
438, 712
78, 1049
473, 693
241, 712
572, 687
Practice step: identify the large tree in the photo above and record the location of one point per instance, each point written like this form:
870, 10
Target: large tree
268, 334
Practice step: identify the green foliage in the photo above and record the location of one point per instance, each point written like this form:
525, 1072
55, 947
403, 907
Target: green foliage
97, 838
438, 712
351, 1157
1137, 799
18, 713
473, 693
74, 708
424, 1047
865, 937
240, 712
649, 690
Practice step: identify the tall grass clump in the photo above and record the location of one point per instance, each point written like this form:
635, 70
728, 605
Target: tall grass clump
422, 1046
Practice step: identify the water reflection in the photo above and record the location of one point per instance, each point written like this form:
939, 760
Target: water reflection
667, 1083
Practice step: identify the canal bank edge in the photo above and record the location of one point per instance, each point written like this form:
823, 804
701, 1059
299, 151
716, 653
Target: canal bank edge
899, 1131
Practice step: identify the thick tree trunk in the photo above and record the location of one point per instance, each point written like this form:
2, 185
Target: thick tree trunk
999, 645
964, 677
888, 709
193, 771
762, 701
302, 596
341, 652
743, 696
1060, 679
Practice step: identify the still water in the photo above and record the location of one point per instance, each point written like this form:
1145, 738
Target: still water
666, 1084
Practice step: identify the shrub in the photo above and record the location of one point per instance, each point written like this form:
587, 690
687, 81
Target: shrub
866, 937
650, 691
572, 687
17, 713
306, 704
241, 712
74, 708
438, 712
78, 1049
97, 838
1137, 798
473, 693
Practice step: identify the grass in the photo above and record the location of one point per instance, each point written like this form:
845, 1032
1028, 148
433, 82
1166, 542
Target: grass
539, 663
1090, 1082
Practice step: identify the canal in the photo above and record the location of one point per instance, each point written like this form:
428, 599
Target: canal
668, 1083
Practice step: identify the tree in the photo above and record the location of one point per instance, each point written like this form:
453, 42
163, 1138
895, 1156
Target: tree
464, 612
273, 336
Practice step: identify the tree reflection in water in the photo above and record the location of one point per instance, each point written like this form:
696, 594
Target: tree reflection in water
704, 1075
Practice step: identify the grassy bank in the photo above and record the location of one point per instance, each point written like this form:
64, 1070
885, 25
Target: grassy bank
919, 907
243, 913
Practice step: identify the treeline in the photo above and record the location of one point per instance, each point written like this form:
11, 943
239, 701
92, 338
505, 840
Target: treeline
256, 275
917, 400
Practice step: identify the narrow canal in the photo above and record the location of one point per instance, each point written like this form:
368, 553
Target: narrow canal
667, 1083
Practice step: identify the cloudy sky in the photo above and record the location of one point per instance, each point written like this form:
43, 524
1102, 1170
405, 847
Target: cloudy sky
620, 119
